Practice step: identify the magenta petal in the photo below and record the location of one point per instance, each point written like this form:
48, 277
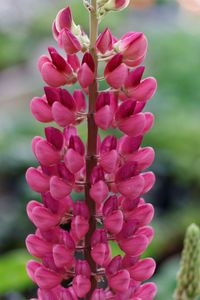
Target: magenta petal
79, 226
144, 157
38, 181
41, 110
120, 281
73, 161
149, 121
63, 256
104, 42
99, 253
62, 115
109, 161
69, 42
98, 294
132, 187
143, 269
146, 291
99, 191
64, 19
43, 218
46, 278
52, 76
149, 180
133, 125
104, 117
59, 188
36, 246
142, 214
117, 77
148, 231
46, 154
134, 245
85, 76
114, 222
81, 285
145, 90
31, 268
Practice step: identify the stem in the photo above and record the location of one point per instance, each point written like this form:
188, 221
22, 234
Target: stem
91, 146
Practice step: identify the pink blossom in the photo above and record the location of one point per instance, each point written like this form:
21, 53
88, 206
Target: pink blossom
92, 186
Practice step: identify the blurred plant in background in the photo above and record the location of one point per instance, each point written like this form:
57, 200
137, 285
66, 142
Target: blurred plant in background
174, 47
188, 279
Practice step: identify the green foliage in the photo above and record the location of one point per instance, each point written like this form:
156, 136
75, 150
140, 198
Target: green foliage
12, 271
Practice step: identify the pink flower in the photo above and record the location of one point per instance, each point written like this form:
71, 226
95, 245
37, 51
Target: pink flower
135, 87
106, 176
116, 4
86, 72
106, 106
133, 46
116, 71
69, 42
105, 41
55, 71
64, 19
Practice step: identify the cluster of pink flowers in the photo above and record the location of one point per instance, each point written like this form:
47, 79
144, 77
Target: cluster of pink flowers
117, 181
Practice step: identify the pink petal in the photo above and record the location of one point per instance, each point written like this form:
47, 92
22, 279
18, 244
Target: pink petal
109, 161
114, 222
59, 188
104, 42
148, 231
99, 253
43, 218
143, 214
69, 42
145, 90
144, 157
62, 115
134, 125
46, 279
149, 121
134, 245
143, 269
52, 76
38, 181
146, 291
79, 226
98, 294
73, 161
41, 110
81, 285
64, 19
55, 137
133, 187
104, 117
63, 256
120, 281
85, 76
31, 268
149, 180
99, 191
36, 246
117, 77
46, 154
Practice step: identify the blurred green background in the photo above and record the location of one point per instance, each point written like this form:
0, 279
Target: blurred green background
173, 30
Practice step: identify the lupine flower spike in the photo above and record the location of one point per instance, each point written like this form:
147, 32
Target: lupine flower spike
188, 277
72, 240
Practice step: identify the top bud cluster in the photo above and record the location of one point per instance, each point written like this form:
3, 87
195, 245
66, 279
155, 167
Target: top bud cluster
116, 181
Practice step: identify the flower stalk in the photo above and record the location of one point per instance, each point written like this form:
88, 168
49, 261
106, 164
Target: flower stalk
91, 160
72, 240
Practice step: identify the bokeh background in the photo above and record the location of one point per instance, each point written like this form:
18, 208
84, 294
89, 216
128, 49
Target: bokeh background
173, 29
